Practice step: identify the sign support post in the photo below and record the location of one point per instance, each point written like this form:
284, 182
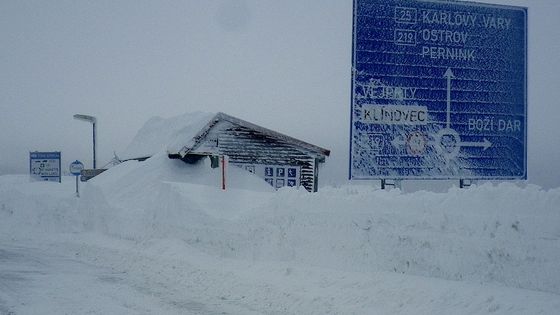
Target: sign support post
77, 190
465, 183
384, 183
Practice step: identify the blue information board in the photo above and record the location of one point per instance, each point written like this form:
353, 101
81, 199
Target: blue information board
45, 166
439, 90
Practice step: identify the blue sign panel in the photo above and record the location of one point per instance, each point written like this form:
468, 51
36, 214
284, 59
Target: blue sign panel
76, 168
439, 90
45, 166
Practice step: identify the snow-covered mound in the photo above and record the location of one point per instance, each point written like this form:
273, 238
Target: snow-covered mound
28, 207
167, 198
171, 134
501, 234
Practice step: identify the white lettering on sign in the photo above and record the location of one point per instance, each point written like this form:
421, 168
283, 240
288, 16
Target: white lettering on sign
492, 124
481, 124
395, 115
448, 53
405, 37
493, 22
374, 89
444, 36
405, 15
461, 19
45, 167
509, 125
396, 93
448, 18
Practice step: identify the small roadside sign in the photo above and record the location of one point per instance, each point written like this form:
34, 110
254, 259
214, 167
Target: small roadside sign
76, 168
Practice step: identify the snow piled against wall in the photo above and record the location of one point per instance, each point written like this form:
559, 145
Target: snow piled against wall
503, 234
166, 134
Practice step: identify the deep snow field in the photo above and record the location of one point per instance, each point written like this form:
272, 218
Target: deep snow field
161, 237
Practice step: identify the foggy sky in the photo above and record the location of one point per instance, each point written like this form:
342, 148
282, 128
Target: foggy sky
284, 65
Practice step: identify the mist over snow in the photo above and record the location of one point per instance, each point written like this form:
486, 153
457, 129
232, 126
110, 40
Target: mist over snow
162, 237
284, 65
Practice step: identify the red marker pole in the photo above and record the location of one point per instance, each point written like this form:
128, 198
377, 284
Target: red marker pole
223, 172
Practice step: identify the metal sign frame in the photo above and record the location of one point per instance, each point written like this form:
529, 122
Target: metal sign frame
439, 90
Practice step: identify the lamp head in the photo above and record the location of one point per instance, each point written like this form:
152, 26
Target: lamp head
88, 118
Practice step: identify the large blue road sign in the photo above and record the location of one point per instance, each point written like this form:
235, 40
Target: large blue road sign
439, 90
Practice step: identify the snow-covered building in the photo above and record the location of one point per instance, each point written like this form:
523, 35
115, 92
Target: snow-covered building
277, 158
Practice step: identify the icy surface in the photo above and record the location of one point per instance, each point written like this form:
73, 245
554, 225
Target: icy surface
161, 237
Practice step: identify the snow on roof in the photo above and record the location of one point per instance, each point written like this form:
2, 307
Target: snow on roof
240, 122
169, 134
182, 133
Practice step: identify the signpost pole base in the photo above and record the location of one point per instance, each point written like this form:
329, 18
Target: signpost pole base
463, 183
77, 190
396, 183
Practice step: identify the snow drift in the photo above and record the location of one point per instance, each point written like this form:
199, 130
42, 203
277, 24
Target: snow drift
165, 134
502, 234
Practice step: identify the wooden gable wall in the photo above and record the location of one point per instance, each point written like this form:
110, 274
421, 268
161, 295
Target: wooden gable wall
247, 146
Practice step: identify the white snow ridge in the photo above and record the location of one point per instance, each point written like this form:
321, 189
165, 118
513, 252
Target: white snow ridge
161, 237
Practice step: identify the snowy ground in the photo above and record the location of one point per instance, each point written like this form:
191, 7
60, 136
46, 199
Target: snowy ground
159, 237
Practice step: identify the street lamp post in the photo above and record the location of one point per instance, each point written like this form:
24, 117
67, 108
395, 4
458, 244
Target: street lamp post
93, 121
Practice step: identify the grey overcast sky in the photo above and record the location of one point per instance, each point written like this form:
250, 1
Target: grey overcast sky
281, 64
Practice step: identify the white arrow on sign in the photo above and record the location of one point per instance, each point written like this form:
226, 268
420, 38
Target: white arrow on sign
449, 75
484, 144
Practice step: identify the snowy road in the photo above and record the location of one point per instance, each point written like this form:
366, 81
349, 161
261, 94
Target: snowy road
82, 277
36, 281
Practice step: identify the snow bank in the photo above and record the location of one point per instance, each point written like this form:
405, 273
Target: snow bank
27, 207
159, 134
502, 234
163, 198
